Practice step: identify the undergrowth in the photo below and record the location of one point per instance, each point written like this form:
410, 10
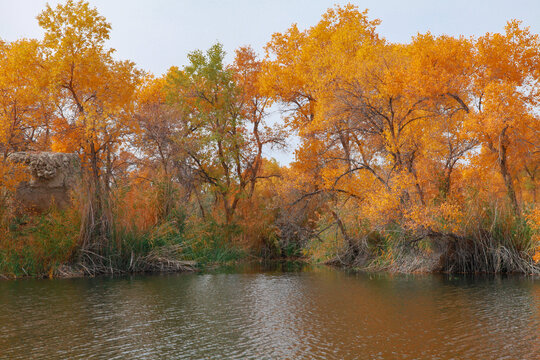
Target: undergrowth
492, 240
38, 245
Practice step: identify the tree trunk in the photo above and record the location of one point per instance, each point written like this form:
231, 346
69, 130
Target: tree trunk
97, 222
503, 168
350, 241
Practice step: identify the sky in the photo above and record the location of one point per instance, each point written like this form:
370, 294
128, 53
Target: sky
157, 34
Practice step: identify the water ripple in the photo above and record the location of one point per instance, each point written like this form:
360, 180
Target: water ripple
316, 314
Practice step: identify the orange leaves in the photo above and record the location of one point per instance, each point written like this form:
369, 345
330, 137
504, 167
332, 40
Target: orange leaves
441, 65
511, 56
397, 132
73, 27
444, 218
506, 87
151, 90
23, 94
247, 69
300, 67
91, 91
533, 219
408, 131
11, 174
66, 139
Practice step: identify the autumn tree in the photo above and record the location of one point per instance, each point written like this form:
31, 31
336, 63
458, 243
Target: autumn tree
160, 160
93, 96
506, 90
395, 127
254, 105
224, 128
24, 109
299, 69
158, 122
24, 97
441, 69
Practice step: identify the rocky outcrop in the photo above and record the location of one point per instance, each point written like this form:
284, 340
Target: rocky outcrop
52, 176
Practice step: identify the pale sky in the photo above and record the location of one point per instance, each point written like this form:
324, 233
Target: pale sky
157, 34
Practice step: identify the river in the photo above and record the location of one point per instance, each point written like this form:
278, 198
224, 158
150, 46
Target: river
278, 312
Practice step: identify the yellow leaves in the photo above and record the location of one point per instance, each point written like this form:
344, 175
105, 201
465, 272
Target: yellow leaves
331, 174
422, 124
66, 138
300, 67
440, 65
22, 90
533, 219
73, 28
444, 218
381, 207
511, 56
151, 90
11, 174
92, 92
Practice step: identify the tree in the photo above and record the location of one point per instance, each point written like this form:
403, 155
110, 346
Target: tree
506, 93
159, 125
302, 67
223, 123
24, 111
93, 97
23, 97
254, 106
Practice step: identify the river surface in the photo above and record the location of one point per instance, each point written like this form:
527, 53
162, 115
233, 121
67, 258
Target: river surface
279, 313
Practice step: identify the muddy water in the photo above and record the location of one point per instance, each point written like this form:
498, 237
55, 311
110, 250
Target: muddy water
276, 313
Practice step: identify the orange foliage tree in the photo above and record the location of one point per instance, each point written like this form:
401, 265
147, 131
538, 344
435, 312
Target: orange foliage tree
403, 129
93, 96
24, 110
411, 135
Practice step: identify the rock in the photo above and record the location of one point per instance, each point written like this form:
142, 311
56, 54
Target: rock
53, 175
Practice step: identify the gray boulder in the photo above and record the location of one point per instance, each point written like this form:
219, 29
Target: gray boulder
52, 176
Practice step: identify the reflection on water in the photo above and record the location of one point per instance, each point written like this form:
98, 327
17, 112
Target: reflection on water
319, 313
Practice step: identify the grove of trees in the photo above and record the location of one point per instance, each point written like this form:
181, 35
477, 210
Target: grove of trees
406, 150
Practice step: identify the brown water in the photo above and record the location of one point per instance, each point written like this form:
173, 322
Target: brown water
253, 313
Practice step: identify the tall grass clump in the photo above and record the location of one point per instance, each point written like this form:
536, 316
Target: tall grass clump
38, 245
493, 240
147, 233
209, 243
481, 237
160, 248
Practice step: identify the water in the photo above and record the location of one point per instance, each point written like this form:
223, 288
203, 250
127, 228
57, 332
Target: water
316, 313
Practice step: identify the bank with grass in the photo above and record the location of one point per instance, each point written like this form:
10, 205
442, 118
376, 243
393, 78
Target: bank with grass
48, 245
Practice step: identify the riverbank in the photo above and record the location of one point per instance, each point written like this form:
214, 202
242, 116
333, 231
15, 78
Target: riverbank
441, 254
47, 246
407, 262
